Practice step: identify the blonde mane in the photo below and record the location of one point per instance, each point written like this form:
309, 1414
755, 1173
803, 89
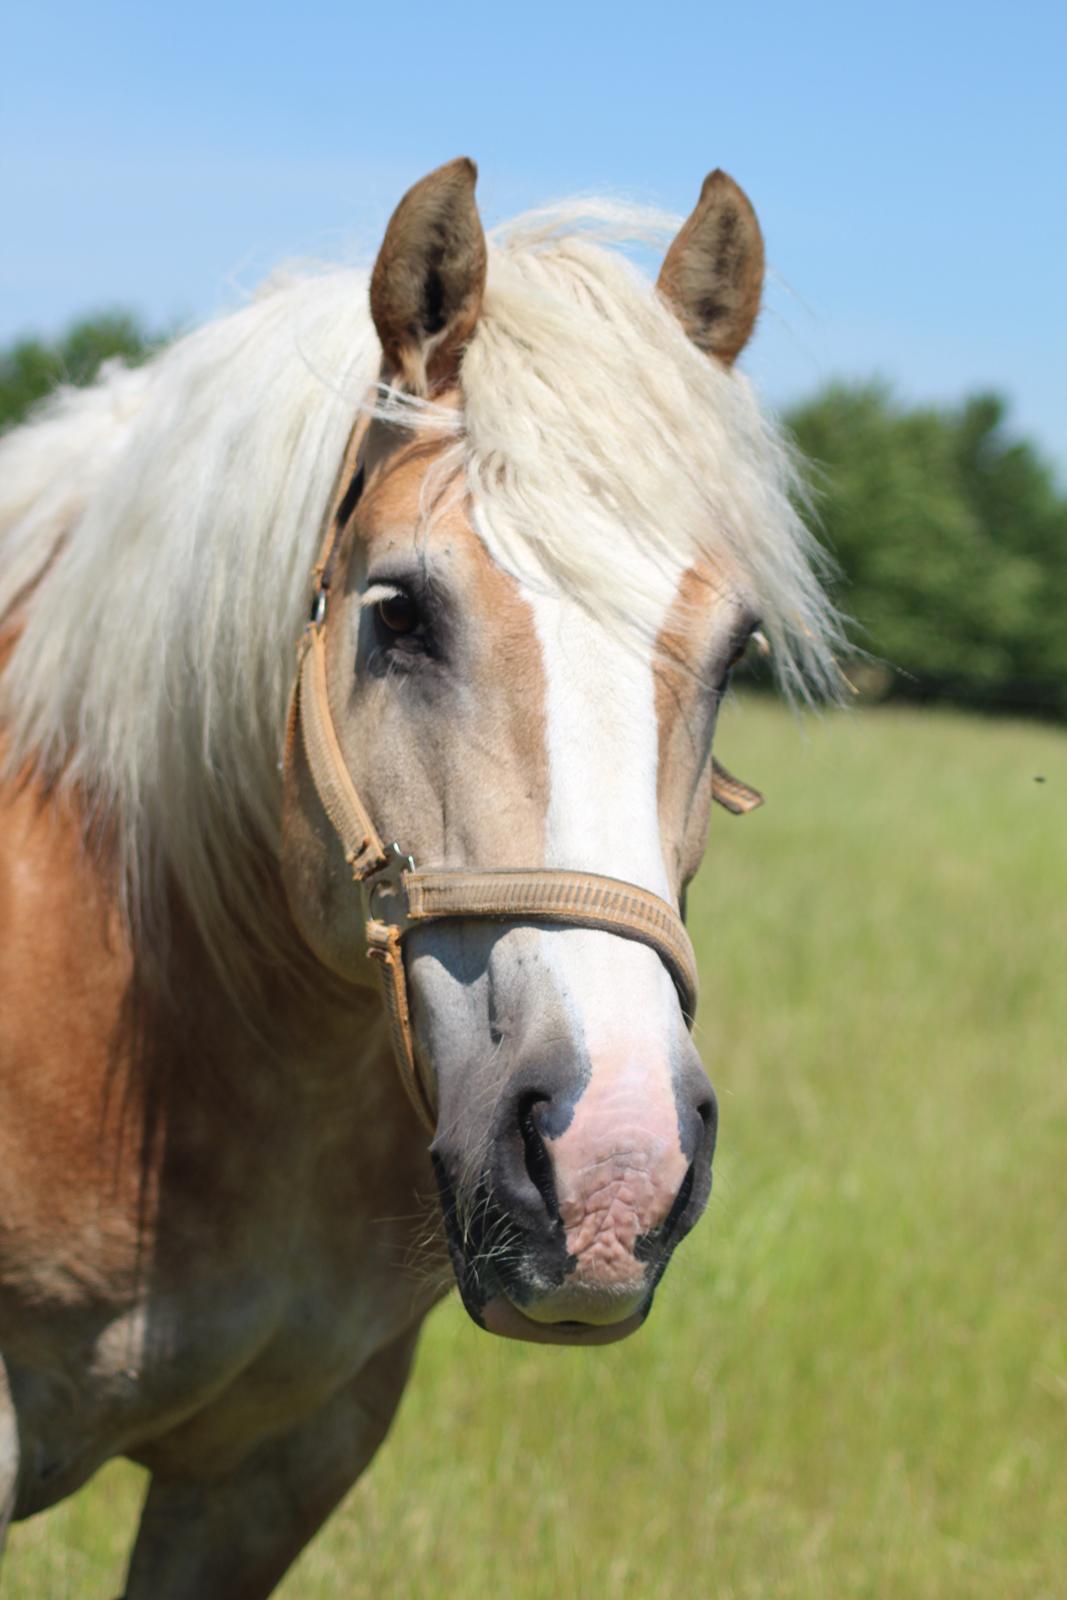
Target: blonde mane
157, 532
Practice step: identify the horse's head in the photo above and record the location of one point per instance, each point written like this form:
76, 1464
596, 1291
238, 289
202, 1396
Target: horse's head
503, 700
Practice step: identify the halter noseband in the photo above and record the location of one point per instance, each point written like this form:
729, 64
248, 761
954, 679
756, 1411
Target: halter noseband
397, 897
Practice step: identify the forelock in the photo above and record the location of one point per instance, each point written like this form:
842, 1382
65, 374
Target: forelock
596, 438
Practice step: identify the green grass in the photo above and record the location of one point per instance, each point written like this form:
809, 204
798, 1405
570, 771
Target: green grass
854, 1383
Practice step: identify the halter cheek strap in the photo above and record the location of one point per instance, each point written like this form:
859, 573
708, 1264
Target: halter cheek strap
397, 897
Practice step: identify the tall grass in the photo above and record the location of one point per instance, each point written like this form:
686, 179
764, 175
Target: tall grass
854, 1383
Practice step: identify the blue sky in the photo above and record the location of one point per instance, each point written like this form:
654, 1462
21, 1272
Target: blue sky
906, 161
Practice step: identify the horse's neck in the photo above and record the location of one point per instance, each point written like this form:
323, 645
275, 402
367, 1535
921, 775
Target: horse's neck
135, 1085
179, 1188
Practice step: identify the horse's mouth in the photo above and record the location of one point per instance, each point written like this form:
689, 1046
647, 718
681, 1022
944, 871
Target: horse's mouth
502, 1316
485, 1259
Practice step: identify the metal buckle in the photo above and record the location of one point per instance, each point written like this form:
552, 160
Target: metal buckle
385, 898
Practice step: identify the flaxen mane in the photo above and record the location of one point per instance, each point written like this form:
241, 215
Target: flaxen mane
157, 531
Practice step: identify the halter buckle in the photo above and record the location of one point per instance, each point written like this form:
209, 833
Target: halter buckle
385, 897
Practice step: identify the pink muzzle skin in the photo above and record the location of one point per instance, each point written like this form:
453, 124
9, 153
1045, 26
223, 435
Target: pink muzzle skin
618, 1169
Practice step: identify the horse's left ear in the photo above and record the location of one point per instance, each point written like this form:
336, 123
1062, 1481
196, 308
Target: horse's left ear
712, 277
427, 285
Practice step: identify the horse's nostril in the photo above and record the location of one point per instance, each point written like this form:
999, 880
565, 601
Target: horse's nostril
538, 1161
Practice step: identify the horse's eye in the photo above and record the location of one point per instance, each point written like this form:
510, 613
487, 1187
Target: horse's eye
753, 637
399, 613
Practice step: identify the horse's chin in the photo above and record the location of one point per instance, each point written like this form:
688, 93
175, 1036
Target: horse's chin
501, 1316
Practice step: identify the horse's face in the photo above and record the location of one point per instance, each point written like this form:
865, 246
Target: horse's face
490, 724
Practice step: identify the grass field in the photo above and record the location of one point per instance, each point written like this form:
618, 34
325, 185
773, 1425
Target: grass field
854, 1383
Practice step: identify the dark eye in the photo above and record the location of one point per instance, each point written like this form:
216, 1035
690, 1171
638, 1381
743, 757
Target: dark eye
401, 632
399, 613
752, 637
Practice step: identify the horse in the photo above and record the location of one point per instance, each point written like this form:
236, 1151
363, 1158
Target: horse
382, 617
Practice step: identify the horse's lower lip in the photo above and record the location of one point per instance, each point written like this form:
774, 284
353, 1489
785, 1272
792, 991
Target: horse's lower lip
573, 1308
501, 1316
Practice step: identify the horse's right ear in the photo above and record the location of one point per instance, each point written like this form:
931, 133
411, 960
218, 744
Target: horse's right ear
712, 277
427, 285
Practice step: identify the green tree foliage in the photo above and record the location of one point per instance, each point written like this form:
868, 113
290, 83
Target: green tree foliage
952, 540
32, 368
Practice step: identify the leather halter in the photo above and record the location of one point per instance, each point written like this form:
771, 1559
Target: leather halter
397, 897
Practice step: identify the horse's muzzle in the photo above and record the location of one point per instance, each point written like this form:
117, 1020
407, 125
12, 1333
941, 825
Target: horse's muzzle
586, 1195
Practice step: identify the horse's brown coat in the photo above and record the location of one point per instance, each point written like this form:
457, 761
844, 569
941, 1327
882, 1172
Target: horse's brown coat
217, 1238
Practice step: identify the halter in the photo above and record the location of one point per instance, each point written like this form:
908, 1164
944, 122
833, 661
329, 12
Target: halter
396, 896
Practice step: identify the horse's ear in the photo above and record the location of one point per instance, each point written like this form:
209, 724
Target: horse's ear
730, 792
712, 277
427, 285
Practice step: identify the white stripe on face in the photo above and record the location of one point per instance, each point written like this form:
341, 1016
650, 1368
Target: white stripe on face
603, 748
619, 1162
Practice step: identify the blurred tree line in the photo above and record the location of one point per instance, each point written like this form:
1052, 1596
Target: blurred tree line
950, 534
31, 368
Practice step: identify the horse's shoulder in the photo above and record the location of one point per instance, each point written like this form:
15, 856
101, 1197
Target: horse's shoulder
64, 971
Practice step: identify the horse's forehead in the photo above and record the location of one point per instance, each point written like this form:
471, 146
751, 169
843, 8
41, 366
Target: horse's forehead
416, 498
416, 502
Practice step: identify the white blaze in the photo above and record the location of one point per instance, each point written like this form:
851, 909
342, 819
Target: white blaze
619, 1162
603, 747
602, 739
